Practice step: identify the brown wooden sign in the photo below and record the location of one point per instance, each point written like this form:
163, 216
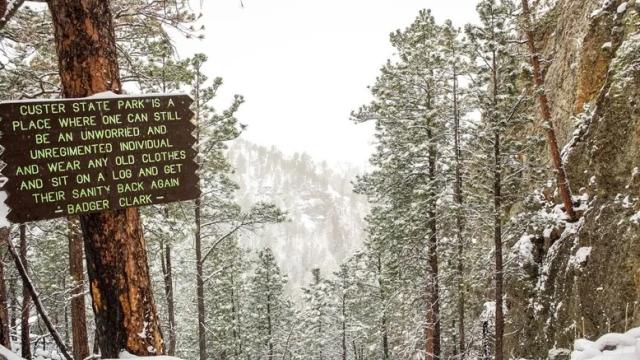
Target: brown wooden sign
77, 156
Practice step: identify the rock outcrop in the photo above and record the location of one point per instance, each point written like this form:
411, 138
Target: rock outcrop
587, 281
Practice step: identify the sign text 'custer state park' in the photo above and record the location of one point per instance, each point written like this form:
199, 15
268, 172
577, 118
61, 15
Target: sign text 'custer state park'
106, 152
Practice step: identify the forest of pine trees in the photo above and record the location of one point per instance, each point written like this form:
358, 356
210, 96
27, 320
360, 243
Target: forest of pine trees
463, 143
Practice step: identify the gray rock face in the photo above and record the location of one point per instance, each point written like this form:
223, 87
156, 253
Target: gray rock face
588, 281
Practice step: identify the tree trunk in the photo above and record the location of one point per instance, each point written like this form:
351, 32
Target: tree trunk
96, 343
432, 331
78, 314
269, 320
202, 339
168, 292
5, 326
344, 327
202, 336
320, 332
497, 238
3, 8
497, 213
13, 299
385, 332
457, 189
545, 111
26, 299
485, 341
123, 303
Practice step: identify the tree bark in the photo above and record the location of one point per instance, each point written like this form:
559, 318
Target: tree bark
13, 300
3, 8
344, 327
5, 326
269, 320
432, 331
123, 303
78, 313
168, 291
545, 111
202, 339
457, 190
497, 212
26, 299
385, 332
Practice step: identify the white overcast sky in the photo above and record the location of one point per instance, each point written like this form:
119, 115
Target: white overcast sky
304, 65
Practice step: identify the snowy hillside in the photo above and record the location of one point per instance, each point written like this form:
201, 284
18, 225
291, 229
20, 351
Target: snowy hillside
326, 216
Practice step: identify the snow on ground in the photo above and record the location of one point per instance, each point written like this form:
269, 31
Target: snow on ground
7, 354
126, 355
609, 347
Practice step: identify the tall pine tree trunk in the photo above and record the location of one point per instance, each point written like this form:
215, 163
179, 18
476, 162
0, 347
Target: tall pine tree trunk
344, 327
457, 188
5, 329
497, 212
26, 299
120, 284
545, 111
202, 336
432, 332
167, 272
269, 320
385, 332
78, 313
13, 301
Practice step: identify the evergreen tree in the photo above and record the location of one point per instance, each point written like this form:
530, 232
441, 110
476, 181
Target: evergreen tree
497, 143
269, 311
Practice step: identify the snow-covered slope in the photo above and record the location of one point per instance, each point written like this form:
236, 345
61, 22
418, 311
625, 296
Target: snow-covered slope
326, 217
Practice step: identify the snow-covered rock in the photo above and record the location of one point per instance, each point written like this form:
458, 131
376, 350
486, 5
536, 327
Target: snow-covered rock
610, 346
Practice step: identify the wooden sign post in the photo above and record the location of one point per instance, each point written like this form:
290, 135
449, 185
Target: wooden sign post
79, 156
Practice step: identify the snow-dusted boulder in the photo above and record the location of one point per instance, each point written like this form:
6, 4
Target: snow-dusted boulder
610, 346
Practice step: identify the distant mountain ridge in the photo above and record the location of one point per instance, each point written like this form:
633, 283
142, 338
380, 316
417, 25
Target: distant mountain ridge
326, 218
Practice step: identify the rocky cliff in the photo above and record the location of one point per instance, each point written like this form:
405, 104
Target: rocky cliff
583, 279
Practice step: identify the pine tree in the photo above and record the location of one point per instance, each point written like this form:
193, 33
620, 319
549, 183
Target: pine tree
227, 301
497, 140
409, 179
316, 315
217, 216
269, 310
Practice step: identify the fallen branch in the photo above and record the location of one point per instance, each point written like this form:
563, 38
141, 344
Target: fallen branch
26, 281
